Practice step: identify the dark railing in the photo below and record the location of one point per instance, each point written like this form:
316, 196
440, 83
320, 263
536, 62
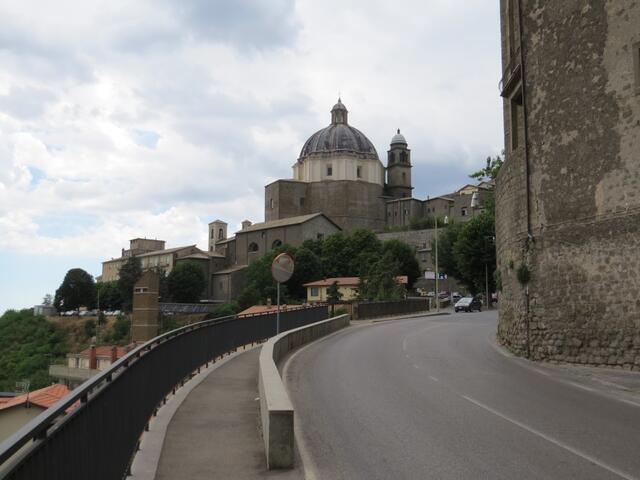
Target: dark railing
380, 309
95, 430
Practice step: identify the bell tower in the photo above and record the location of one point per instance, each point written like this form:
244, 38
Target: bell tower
217, 232
399, 168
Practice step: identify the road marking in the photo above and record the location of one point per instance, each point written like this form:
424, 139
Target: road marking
404, 343
583, 387
433, 378
629, 402
552, 440
415, 365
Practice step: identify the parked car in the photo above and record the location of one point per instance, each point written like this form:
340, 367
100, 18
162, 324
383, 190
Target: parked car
456, 296
468, 304
431, 294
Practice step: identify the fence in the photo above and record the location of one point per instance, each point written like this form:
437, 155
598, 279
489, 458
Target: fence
380, 309
94, 431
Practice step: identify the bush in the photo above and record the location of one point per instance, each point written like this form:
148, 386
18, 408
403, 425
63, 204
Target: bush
121, 329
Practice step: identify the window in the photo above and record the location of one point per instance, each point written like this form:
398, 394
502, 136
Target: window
329, 170
511, 27
140, 289
302, 201
404, 177
406, 212
391, 157
221, 234
253, 247
314, 291
212, 233
271, 203
211, 249
320, 236
463, 211
276, 243
403, 157
359, 171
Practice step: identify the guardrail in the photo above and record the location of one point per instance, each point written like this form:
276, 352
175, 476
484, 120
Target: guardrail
276, 410
366, 310
95, 430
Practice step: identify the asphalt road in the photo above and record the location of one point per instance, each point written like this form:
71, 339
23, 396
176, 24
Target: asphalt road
433, 398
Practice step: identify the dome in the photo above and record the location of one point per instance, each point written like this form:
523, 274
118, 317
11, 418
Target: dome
338, 137
398, 138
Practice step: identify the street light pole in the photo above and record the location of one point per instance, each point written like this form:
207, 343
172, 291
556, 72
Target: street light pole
436, 268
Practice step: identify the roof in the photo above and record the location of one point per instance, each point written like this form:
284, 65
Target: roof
258, 309
348, 281
198, 256
165, 251
102, 351
45, 397
218, 221
285, 222
338, 137
235, 268
441, 197
398, 138
226, 240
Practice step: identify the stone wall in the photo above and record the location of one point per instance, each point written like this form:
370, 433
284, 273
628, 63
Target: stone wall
574, 218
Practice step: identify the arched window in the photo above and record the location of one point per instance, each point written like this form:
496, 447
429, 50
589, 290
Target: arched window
390, 157
403, 157
253, 247
276, 243
404, 177
221, 234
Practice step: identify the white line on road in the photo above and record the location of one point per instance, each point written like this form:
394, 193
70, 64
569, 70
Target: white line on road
558, 443
433, 378
583, 387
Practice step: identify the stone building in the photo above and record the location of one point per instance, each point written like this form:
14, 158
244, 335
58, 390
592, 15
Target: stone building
568, 194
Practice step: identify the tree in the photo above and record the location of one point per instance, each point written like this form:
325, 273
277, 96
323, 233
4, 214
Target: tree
77, 290
475, 252
90, 328
121, 329
405, 257
446, 258
109, 296
490, 171
379, 283
186, 282
130, 273
28, 344
333, 295
308, 267
47, 300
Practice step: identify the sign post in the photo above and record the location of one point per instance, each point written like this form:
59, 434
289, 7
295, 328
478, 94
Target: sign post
281, 270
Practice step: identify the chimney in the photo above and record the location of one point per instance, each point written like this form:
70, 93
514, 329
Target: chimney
246, 224
114, 354
93, 360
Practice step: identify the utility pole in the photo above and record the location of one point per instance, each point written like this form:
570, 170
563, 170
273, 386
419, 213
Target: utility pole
436, 268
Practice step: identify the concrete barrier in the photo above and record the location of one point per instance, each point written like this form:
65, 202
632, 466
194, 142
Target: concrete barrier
276, 409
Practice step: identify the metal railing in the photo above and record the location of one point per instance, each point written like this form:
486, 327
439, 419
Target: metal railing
95, 430
365, 310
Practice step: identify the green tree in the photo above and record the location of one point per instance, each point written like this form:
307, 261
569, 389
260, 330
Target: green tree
90, 328
28, 344
77, 290
491, 169
475, 252
379, 283
308, 267
130, 272
186, 282
405, 257
109, 295
447, 263
333, 296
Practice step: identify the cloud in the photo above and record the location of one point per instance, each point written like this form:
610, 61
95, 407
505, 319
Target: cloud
121, 119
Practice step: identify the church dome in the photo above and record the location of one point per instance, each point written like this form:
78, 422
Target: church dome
339, 137
398, 138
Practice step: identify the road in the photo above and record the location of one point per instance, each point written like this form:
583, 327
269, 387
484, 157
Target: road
434, 398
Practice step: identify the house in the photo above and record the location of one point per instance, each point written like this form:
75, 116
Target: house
347, 287
84, 365
19, 410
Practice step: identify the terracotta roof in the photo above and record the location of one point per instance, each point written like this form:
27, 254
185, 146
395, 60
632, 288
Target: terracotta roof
285, 222
165, 251
348, 281
45, 397
256, 309
103, 351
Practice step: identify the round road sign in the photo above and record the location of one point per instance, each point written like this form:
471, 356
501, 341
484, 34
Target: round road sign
282, 267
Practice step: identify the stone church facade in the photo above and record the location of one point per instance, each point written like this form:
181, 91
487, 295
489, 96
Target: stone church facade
568, 194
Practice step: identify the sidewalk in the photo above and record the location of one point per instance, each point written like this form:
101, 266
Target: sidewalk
215, 433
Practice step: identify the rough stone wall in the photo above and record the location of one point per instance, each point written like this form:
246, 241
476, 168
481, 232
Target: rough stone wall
583, 128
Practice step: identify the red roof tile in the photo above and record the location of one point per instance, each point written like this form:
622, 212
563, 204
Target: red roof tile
348, 281
45, 397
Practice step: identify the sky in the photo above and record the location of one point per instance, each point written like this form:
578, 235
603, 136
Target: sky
150, 119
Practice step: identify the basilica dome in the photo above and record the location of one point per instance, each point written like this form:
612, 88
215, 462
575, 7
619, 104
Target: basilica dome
339, 137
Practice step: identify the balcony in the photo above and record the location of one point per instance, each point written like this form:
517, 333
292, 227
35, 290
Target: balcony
512, 75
